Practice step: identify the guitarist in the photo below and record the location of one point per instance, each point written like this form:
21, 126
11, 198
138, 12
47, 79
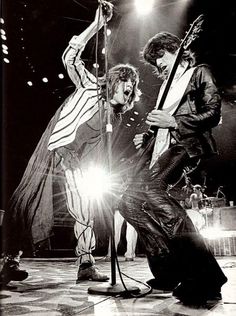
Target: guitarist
179, 259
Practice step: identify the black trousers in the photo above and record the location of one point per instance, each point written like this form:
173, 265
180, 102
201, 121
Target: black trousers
176, 252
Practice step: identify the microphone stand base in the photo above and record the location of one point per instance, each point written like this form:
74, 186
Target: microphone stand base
113, 290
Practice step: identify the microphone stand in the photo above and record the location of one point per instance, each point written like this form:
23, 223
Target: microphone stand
113, 288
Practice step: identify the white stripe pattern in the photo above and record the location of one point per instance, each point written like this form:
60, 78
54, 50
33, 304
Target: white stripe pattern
79, 110
80, 208
82, 104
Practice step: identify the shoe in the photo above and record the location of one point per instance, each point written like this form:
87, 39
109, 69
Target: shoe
88, 271
197, 297
12, 272
160, 286
107, 259
129, 259
214, 296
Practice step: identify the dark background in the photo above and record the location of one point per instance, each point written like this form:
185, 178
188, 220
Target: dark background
38, 31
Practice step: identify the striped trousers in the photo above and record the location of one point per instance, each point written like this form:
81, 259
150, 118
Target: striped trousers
81, 209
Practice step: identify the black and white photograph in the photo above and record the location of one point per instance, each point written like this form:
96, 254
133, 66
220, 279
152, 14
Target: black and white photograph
118, 158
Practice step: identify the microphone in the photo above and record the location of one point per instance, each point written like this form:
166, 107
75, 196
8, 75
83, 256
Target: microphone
105, 7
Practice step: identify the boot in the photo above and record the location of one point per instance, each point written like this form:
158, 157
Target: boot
88, 271
11, 271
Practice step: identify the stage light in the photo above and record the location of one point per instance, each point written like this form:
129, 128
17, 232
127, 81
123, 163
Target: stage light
61, 76
4, 47
103, 51
108, 32
29, 83
45, 79
213, 232
4, 37
6, 60
144, 7
96, 181
95, 65
5, 51
2, 21
135, 112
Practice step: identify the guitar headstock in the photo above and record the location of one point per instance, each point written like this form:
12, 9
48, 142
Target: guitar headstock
193, 33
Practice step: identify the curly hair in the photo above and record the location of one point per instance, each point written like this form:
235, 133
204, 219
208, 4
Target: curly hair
161, 42
122, 72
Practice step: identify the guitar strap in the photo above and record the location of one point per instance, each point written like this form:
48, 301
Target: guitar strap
171, 104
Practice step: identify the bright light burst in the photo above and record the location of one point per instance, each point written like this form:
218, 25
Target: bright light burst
96, 182
144, 6
214, 233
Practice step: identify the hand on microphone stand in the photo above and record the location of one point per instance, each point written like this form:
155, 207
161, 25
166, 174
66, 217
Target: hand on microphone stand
107, 10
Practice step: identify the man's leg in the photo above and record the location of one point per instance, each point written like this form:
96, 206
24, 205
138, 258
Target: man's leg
79, 206
183, 255
152, 236
131, 237
118, 221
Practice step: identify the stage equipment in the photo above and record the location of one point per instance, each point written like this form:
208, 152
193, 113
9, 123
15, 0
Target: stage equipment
113, 288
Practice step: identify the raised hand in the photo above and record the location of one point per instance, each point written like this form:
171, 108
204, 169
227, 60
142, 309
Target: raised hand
99, 16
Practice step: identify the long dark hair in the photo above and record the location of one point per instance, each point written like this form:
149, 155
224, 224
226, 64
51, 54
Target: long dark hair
161, 42
122, 72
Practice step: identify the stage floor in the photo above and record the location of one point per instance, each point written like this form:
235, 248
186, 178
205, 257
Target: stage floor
51, 290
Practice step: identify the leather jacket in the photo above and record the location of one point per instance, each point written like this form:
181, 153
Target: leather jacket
198, 112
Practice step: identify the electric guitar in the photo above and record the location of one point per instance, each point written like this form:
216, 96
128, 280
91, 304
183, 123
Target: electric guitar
144, 152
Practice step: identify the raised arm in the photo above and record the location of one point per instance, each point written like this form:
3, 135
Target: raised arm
72, 55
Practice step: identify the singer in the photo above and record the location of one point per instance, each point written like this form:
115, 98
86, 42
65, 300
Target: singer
69, 145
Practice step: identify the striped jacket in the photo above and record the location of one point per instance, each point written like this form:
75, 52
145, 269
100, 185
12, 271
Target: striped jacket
82, 104
32, 205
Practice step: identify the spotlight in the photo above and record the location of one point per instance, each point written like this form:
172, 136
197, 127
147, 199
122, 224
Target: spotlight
144, 7
61, 76
29, 83
45, 79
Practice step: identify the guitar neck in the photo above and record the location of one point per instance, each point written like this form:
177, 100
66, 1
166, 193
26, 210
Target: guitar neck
154, 129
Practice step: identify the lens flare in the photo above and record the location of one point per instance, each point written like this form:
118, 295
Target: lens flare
96, 181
